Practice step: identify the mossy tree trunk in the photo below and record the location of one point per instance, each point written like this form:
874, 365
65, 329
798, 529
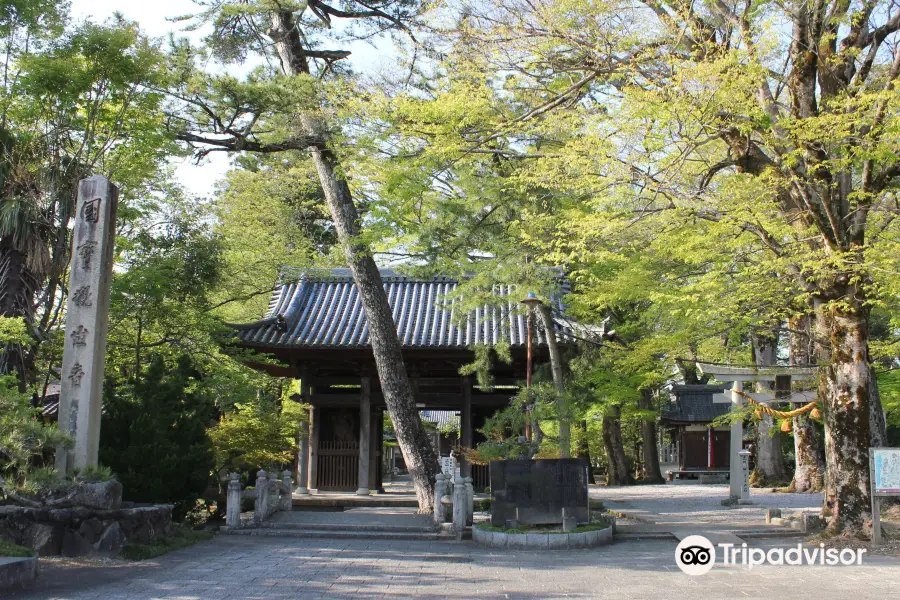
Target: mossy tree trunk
809, 460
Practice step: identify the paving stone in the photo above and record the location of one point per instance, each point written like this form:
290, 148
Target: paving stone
288, 568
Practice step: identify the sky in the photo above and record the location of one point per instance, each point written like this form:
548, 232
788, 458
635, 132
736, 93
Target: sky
151, 15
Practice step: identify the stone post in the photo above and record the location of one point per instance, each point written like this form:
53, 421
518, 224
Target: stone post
745, 476
87, 319
470, 500
736, 475
365, 433
459, 507
233, 503
440, 487
303, 460
272, 491
287, 485
262, 497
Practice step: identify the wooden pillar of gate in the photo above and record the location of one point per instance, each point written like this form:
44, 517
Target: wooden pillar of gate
315, 425
365, 435
375, 450
465, 424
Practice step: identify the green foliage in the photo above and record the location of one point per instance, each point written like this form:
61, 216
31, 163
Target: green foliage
889, 387
483, 362
270, 213
24, 438
155, 435
258, 435
13, 550
180, 537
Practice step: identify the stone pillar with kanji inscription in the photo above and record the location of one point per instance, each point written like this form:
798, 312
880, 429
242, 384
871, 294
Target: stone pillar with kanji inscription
87, 319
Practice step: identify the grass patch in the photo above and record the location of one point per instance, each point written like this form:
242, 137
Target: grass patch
181, 537
594, 525
14, 550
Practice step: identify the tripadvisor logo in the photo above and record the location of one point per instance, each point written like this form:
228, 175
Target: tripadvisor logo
696, 555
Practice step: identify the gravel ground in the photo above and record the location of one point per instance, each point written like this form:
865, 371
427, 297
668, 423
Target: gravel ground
698, 504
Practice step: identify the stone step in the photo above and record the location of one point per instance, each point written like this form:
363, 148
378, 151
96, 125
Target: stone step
384, 534
347, 527
340, 502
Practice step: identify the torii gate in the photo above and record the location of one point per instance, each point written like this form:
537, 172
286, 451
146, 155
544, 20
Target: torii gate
782, 376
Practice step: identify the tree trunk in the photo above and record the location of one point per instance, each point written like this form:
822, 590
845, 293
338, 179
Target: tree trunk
618, 474
583, 451
398, 395
877, 422
565, 419
769, 461
845, 384
648, 437
809, 461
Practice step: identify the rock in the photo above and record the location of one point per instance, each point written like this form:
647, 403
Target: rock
83, 531
811, 523
74, 545
91, 530
772, 513
45, 539
112, 540
105, 495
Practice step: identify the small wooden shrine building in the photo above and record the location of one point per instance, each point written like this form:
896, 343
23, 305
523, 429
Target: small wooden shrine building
701, 449
316, 328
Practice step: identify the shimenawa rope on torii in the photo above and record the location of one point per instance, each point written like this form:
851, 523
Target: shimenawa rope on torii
812, 408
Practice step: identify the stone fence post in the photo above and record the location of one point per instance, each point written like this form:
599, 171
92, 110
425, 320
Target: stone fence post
286, 486
470, 501
233, 502
273, 490
440, 487
459, 507
262, 497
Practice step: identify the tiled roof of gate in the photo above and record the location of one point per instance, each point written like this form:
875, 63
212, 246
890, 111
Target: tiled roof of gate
323, 309
694, 404
441, 418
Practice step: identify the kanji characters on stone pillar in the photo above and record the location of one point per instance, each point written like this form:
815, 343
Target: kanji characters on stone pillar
87, 317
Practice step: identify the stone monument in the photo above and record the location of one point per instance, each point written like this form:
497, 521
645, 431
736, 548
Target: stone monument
539, 492
87, 319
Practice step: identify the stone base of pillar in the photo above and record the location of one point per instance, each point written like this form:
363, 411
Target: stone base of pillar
362, 492
301, 491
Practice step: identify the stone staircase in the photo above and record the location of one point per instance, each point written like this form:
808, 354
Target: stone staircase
386, 523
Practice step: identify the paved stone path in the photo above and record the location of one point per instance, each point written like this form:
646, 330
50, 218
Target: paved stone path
366, 518
693, 504
231, 567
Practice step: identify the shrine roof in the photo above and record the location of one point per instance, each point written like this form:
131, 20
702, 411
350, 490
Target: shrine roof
694, 404
323, 309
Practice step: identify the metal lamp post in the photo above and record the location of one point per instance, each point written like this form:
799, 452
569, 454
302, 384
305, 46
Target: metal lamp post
531, 301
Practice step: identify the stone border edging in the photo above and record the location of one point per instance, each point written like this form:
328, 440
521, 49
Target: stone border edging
17, 572
542, 541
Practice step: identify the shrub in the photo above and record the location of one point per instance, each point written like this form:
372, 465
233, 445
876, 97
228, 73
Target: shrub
155, 439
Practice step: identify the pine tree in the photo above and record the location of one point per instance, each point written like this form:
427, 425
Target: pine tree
155, 439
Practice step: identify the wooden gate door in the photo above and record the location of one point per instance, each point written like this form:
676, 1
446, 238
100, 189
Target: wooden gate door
338, 466
695, 446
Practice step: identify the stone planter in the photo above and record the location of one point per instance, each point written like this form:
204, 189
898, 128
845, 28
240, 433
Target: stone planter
542, 541
17, 572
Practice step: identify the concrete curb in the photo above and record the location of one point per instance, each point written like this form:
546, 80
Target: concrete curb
542, 541
17, 572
